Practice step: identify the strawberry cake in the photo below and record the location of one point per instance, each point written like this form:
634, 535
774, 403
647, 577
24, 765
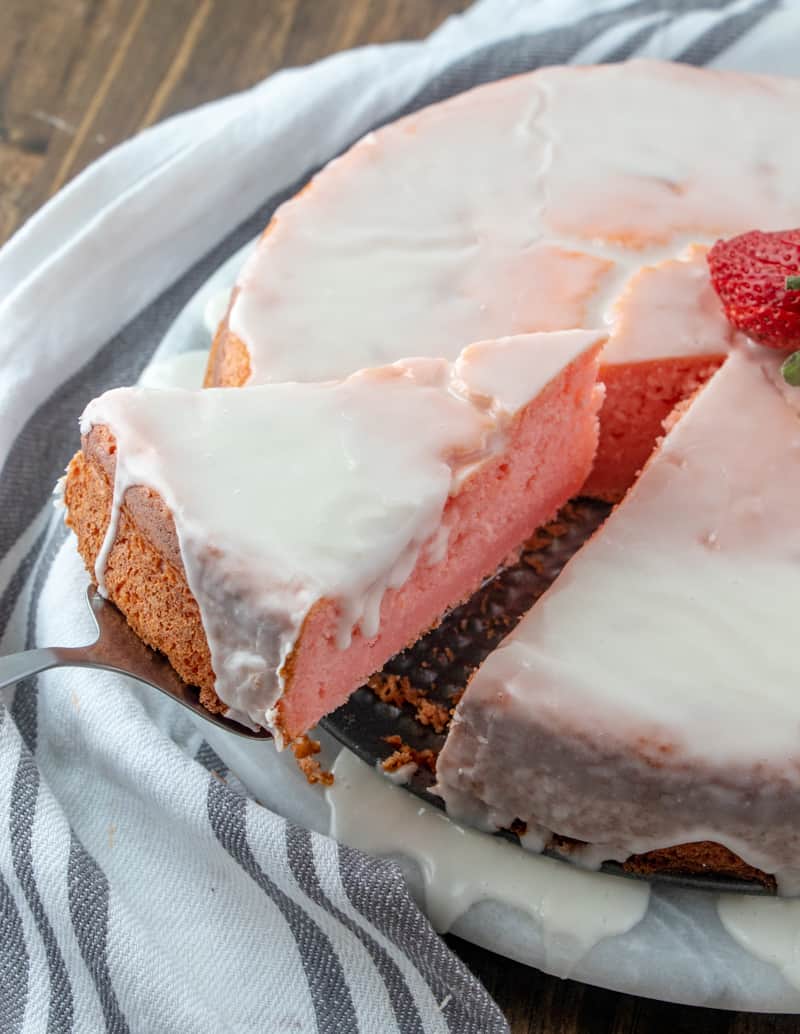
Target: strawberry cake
566, 197
280, 543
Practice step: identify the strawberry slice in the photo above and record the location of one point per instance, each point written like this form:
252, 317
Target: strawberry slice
757, 277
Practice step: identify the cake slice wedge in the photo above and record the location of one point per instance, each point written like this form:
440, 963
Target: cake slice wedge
650, 699
281, 542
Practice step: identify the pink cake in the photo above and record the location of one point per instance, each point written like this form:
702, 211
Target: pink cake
280, 543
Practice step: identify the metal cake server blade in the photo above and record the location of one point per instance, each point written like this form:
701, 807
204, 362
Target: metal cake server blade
117, 649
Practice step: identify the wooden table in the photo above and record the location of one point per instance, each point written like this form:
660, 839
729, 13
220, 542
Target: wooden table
77, 77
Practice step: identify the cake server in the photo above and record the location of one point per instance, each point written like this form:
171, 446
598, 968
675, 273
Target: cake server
118, 649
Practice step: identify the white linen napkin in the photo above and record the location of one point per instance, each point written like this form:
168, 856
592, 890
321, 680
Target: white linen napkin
139, 891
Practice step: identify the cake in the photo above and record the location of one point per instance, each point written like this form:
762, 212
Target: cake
643, 710
561, 198
650, 698
279, 543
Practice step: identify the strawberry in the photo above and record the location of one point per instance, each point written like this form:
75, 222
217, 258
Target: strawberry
757, 276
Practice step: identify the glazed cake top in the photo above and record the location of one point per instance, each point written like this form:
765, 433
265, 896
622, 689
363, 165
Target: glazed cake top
529, 204
283, 495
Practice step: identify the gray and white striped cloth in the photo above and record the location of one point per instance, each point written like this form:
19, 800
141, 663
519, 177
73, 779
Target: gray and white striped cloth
138, 892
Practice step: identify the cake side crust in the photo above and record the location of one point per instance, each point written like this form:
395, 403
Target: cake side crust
144, 579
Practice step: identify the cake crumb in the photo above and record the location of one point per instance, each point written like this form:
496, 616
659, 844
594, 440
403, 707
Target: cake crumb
543, 537
398, 691
407, 755
539, 540
304, 749
433, 714
391, 689
534, 561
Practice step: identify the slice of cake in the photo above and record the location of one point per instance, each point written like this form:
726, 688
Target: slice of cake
651, 698
281, 542
668, 335
547, 201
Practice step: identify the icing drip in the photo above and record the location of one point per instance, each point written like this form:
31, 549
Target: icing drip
287, 495
528, 204
58, 492
184, 370
215, 309
572, 909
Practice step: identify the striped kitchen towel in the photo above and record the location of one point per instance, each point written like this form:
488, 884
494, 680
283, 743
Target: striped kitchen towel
139, 889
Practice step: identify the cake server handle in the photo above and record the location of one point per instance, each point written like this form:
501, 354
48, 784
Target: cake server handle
15, 667
18, 666
117, 649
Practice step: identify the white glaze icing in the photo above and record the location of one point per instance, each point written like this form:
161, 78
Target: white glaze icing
215, 309
668, 309
285, 495
668, 644
527, 204
644, 151
572, 909
58, 492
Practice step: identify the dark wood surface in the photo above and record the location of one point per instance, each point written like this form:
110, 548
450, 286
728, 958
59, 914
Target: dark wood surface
77, 77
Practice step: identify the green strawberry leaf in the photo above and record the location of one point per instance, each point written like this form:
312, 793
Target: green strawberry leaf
790, 371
